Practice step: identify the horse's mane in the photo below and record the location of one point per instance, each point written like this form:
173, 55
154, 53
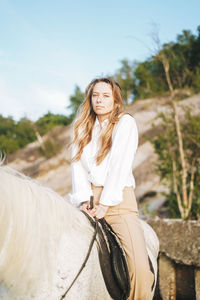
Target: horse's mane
33, 219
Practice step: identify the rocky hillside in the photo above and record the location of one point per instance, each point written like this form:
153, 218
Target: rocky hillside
55, 172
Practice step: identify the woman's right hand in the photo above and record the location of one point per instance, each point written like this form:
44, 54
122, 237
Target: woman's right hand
85, 206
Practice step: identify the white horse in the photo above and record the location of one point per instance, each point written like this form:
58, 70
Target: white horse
43, 242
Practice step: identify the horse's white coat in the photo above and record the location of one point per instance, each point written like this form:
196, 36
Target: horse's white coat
43, 242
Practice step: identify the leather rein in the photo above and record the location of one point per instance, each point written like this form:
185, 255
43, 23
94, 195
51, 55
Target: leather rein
85, 260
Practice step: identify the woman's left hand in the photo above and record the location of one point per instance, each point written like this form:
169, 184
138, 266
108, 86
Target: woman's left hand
99, 211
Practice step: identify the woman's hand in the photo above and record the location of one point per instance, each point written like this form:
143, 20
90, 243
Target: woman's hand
99, 211
85, 206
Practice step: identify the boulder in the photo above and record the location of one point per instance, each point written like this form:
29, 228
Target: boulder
179, 240
179, 259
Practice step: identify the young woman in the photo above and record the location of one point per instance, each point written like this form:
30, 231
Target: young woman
104, 144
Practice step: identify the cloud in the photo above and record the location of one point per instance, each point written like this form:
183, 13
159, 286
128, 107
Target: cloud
9, 106
49, 99
32, 102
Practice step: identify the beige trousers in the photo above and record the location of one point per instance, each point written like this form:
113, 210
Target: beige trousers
125, 222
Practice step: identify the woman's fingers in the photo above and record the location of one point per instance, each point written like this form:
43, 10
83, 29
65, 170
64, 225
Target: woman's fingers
100, 211
85, 206
93, 211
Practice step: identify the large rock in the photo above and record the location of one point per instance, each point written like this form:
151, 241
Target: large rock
179, 259
179, 240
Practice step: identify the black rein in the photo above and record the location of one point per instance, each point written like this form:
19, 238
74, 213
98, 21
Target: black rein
85, 260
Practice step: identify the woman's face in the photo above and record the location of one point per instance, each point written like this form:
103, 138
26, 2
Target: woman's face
102, 99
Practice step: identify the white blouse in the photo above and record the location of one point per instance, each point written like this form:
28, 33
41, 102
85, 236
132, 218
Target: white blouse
114, 172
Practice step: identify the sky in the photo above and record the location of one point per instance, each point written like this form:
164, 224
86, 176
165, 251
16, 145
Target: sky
47, 47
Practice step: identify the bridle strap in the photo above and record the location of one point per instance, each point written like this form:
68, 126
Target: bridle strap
85, 260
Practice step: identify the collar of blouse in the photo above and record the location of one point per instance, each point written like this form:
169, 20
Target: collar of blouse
101, 125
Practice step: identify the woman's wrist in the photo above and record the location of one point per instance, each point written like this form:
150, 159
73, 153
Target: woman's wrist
103, 205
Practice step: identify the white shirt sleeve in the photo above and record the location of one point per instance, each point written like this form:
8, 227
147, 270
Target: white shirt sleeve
81, 187
124, 146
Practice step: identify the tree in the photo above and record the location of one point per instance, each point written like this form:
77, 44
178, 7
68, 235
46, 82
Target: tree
185, 196
145, 79
24, 132
75, 101
125, 77
14, 135
150, 80
169, 166
50, 120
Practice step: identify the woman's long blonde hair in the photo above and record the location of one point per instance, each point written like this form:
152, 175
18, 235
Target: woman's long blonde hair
86, 119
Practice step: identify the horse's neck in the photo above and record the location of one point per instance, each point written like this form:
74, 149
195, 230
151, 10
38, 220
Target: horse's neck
49, 240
